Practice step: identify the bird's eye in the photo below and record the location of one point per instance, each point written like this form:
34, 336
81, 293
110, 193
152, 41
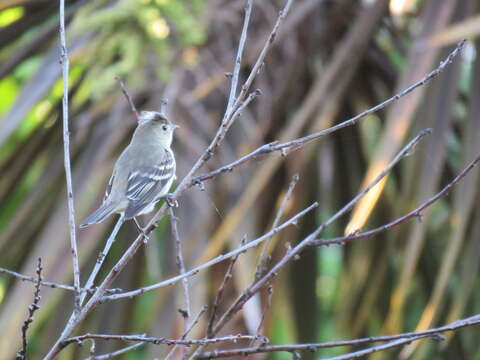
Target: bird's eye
164, 127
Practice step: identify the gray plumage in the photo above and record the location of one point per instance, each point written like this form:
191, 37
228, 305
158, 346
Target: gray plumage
143, 173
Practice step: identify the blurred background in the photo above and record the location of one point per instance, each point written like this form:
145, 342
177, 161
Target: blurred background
331, 60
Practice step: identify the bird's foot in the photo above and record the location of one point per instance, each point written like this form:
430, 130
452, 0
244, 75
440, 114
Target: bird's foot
170, 200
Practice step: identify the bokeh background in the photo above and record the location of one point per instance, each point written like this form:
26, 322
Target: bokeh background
331, 60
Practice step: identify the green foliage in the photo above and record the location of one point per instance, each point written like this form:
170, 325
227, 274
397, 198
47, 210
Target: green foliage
11, 15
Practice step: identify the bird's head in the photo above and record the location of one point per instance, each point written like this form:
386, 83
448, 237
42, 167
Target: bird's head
156, 125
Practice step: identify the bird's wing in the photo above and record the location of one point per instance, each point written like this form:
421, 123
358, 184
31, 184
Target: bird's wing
108, 190
146, 184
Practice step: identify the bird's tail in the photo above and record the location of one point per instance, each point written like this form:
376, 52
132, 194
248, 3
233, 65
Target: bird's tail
99, 215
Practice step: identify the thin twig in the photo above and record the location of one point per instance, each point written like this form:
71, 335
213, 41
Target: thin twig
373, 349
415, 213
407, 337
266, 307
181, 268
261, 260
101, 258
238, 59
33, 279
299, 142
184, 336
239, 102
156, 340
292, 253
135, 113
221, 289
443, 64
52, 284
99, 295
260, 60
22, 354
116, 353
129, 294
66, 150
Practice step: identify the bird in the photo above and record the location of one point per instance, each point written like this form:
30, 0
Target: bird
143, 173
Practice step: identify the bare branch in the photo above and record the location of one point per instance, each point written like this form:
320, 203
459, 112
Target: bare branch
98, 296
415, 213
266, 307
216, 260
221, 289
101, 258
443, 64
135, 113
22, 354
116, 353
292, 253
261, 260
181, 268
156, 340
300, 142
239, 102
238, 59
51, 284
184, 336
66, 149
407, 337
23, 277
259, 63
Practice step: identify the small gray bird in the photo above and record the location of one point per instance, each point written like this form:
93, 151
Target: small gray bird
143, 173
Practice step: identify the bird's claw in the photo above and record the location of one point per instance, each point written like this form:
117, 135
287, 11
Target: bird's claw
171, 201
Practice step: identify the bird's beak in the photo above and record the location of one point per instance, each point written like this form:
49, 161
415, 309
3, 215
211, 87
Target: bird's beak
175, 126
